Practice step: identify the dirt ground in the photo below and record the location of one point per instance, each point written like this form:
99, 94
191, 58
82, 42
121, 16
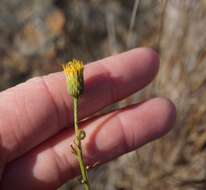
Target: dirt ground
37, 36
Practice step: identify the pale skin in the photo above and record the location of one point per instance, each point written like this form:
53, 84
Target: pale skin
36, 121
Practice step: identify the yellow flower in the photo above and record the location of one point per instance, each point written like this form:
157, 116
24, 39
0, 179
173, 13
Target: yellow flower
73, 72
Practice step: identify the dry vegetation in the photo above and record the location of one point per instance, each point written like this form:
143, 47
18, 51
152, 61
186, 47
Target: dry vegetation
38, 35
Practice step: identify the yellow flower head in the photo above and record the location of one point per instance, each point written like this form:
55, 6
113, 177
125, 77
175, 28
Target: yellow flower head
73, 72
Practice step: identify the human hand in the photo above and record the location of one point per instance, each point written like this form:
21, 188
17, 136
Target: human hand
36, 121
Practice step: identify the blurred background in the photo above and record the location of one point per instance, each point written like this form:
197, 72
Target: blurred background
36, 36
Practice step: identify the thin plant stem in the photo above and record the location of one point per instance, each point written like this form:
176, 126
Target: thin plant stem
78, 148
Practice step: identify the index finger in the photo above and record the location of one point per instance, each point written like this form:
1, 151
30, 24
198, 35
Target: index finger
32, 112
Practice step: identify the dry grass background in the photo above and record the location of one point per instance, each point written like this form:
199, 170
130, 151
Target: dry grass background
36, 36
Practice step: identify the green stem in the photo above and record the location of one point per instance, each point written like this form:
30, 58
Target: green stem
79, 154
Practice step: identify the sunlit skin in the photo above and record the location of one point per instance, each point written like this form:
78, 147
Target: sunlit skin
36, 121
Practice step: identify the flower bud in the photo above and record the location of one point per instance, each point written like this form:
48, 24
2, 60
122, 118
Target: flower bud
73, 71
